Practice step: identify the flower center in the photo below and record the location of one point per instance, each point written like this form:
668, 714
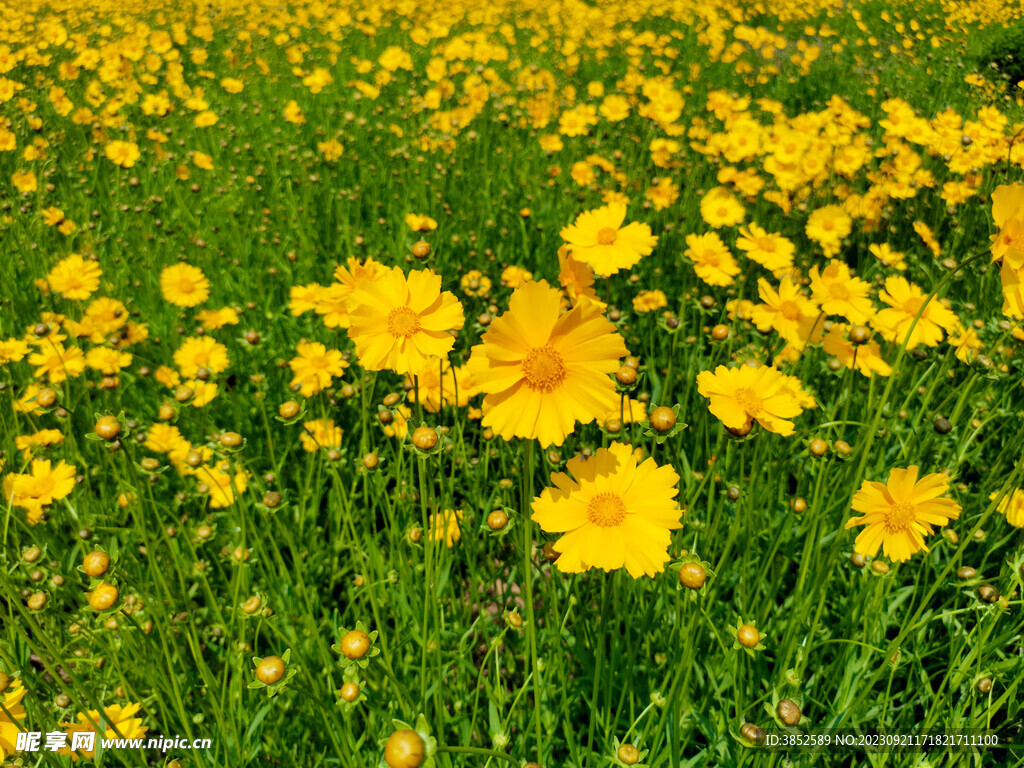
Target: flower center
839, 291
913, 306
543, 369
607, 236
900, 516
606, 510
748, 400
766, 244
403, 322
790, 310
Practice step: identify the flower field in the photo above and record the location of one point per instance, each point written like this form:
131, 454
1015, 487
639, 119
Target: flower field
561, 384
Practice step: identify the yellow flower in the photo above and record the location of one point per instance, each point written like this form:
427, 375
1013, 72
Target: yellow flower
304, 298
107, 361
445, 527
320, 433
742, 395
475, 283
720, 208
41, 487
419, 222
44, 438
121, 718
1012, 507
648, 301
184, 285
905, 301
828, 226
712, 261
1008, 214
12, 350
12, 713
212, 319
513, 276
663, 194
221, 486
838, 292
57, 362
439, 384
542, 371
787, 311
899, 513
122, 153
598, 238
866, 358
314, 367
74, 278
201, 352
576, 278
613, 510
293, 113
772, 251
889, 258
398, 322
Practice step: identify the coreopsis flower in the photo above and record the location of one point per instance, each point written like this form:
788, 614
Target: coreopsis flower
905, 300
40, 487
712, 261
648, 301
331, 149
57, 362
12, 350
866, 358
1012, 507
167, 438
24, 181
543, 371
740, 396
419, 222
11, 715
201, 352
44, 438
293, 113
720, 208
304, 298
184, 285
116, 716
1008, 214
772, 251
314, 367
838, 292
598, 238
320, 433
122, 153
513, 276
74, 278
899, 513
787, 311
445, 527
212, 319
663, 194
887, 256
828, 226
398, 322
575, 277
441, 384
613, 511
222, 486
107, 361
475, 283
928, 238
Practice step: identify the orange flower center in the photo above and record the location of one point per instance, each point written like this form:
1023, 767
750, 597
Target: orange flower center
185, 285
913, 305
607, 236
900, 516
839, 291
403, 322
748, 400
543, 369
606, 510
790, 310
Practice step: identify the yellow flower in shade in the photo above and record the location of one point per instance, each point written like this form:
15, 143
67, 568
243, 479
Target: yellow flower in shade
827, 227
221, 486
440, 383
74, 277
1008, 214
598, 238
12, 350
321, 433
121, 718
788, 311
575, 277
905, 300
184, 285
614, 511
648, 301
742, 395
57, 362
1012, 507
542, 371
899, 513
12, 713
39, 488
201, 352
720, 208
773, 251
838, 292
122, 153
398, 322
866, 358
314, 367
445, 527
419, 222
712, 261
